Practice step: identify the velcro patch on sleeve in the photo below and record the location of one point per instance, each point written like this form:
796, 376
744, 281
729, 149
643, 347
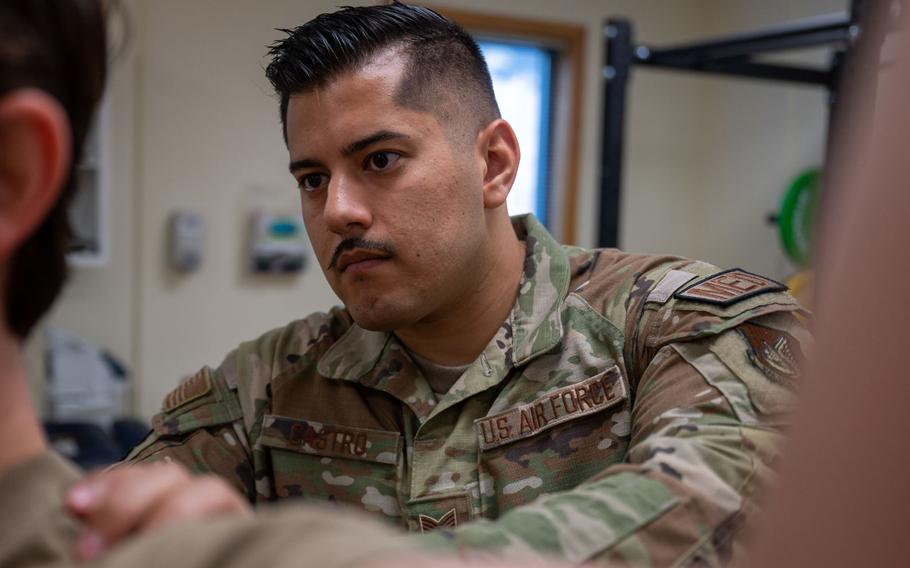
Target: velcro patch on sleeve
191, 389
671, 282
728, 287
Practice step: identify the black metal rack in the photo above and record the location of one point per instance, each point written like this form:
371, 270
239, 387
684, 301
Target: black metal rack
730, 56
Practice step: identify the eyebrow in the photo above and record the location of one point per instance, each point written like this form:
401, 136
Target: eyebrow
350, 149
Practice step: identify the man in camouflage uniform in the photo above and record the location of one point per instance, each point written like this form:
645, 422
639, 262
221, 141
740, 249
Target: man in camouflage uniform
484, 386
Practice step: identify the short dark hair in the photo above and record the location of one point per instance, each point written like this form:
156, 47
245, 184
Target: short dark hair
58, 47
444, 63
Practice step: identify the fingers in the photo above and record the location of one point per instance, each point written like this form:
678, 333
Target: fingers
204, 497
117, 503
412, 561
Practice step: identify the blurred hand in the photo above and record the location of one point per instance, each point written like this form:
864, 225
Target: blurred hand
441, 561
118, 503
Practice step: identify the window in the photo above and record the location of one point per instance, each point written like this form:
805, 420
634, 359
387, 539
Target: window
536, 68
522, 80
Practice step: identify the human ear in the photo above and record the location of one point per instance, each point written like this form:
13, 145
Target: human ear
35, 153
498, 149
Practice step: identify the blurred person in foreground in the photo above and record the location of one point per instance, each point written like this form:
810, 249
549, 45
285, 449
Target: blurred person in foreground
483, 387
52, 73
844, 494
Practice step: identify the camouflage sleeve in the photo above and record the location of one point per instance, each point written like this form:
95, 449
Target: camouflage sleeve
288, 537
201, 427
704, 428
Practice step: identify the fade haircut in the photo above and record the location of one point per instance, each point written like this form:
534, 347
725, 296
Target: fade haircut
56, 46
445, 69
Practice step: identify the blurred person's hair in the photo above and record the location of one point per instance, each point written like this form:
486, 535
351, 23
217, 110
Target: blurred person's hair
58, 47
445, 68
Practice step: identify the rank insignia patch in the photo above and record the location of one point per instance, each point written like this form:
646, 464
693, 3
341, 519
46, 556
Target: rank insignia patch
447, 521
195, 387
728, 287
775, 353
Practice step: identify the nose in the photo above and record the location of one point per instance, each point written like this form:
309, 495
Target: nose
346, 208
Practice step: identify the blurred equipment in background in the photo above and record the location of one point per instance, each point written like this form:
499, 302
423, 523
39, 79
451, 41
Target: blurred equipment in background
741, 55
800, 286
796, 217
795, 222
278, 244
87, 390
186, 240
84, 382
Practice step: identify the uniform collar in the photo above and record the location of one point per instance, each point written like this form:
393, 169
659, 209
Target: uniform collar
355, 354
536, 317
534, 326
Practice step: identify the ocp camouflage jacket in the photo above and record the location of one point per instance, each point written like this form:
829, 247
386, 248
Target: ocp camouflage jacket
627, 410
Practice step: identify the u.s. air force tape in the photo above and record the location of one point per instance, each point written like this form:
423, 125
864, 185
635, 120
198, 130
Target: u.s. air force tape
567, 403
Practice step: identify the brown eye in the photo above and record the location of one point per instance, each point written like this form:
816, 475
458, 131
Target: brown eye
381, 160
312, 182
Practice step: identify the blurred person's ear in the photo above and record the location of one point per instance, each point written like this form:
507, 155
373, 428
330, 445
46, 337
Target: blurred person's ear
34, 163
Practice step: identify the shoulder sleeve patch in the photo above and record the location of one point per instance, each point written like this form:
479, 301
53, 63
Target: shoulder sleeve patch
775, 353
195, 387
728, 287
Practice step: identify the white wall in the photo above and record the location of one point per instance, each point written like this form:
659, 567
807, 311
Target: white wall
196, 128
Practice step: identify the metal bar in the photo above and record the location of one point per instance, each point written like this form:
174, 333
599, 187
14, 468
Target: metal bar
857, 7
837, 66
746, 68
811, 32
618, 59
731, 55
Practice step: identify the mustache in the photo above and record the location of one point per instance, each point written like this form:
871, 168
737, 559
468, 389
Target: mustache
362, 244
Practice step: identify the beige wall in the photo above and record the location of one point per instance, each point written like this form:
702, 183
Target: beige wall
211, 143
757, 137
196, 128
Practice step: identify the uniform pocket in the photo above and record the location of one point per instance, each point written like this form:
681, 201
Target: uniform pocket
554, 442
333, 462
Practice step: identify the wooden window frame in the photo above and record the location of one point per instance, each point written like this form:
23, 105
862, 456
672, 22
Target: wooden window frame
570, 40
